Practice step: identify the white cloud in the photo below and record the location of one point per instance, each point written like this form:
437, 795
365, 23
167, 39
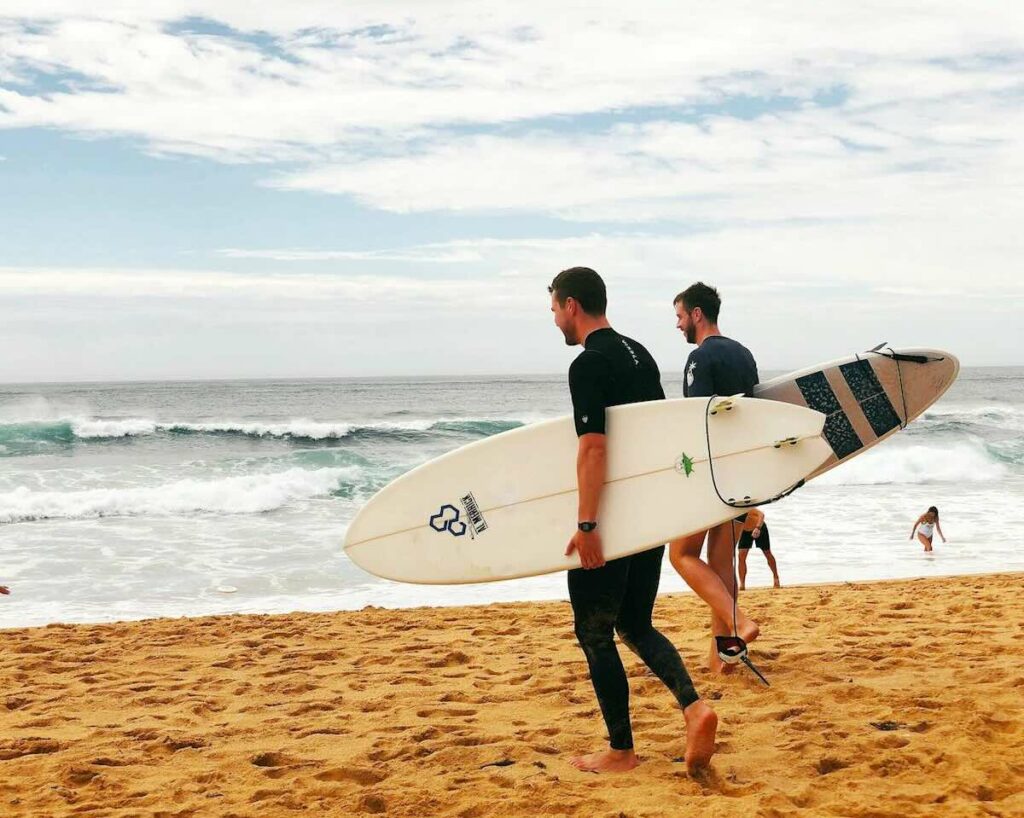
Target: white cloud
335, 83
251, 288
840, 171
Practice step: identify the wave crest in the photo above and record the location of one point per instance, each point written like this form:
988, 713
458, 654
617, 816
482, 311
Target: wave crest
24, 435
243, 494
967, 462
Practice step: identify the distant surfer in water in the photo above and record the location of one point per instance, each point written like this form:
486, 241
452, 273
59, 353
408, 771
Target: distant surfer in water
4, 590
755, 532
616, 596
718, 366
926, 526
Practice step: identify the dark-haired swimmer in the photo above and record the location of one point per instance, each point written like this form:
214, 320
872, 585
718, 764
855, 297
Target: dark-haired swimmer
926, 526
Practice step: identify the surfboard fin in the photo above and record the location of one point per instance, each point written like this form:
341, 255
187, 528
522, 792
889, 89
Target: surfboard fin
900, 356
724, 405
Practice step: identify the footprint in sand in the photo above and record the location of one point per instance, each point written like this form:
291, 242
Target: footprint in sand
278, 765
312, 707
364, 776
453, 659
79, 776
18, 748
830, 765
458, 712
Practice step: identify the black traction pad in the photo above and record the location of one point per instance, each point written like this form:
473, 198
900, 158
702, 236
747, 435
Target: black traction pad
864, 384
839, 432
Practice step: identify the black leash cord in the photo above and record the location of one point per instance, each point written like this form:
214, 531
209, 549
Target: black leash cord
714, 483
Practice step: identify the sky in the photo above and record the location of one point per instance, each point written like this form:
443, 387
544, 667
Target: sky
324, 189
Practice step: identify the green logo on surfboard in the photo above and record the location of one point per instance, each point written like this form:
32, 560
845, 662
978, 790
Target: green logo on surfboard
684, 464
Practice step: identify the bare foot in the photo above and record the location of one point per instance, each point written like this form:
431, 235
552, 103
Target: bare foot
715, 663
749, 630
701, 726
607, 761
776, 584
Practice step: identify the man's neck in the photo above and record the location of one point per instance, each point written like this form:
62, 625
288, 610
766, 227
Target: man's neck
703, 333
593, 326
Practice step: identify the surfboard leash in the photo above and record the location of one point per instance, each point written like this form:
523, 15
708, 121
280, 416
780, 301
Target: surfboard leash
733, 649
898, 358
747, 503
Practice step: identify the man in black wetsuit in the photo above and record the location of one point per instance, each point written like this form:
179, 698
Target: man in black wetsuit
718, 366
619, 595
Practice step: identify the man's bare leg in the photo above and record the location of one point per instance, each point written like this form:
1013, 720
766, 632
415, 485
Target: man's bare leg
743, 569
721, 543
606, 761
775, 568
684, 554
701, 727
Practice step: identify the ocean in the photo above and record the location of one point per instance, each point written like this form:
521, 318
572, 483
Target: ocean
135, 500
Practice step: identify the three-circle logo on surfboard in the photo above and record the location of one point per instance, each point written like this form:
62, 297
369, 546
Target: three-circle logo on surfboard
449, 518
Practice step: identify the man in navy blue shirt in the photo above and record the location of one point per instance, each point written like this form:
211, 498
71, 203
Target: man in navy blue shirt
718, 366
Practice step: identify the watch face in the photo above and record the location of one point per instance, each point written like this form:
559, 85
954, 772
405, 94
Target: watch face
587, 526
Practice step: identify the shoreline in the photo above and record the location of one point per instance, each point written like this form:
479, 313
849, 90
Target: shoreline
888, 698
662, 595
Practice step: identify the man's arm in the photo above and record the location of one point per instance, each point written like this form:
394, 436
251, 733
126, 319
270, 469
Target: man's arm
591, 466
588, 384
700, 380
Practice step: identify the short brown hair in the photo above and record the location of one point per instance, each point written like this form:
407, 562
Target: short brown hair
584, 285
703, 296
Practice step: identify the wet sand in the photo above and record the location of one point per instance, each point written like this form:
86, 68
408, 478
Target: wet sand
900, 698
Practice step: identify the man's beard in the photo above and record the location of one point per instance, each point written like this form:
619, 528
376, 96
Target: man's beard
691, 334
570, 339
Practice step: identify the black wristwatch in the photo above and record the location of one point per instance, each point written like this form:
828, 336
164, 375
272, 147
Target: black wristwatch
587, 526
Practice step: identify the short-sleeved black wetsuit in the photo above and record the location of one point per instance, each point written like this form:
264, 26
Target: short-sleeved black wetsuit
614, 370
719, 366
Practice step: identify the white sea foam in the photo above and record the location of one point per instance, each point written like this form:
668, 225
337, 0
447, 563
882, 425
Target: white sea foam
86, 428
311, 429
246, 494
37, 409
1002, 415
962, 462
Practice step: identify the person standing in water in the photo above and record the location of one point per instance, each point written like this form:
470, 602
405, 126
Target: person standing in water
926, 526
755, 532
616, 596
718, 366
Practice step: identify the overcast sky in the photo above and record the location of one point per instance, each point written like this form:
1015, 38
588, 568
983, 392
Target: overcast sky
233, 189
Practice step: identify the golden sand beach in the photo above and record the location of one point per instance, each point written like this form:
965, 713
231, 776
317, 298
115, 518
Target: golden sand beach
887, 699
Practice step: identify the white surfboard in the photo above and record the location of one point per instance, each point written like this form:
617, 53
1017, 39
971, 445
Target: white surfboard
866, 397
505, 507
